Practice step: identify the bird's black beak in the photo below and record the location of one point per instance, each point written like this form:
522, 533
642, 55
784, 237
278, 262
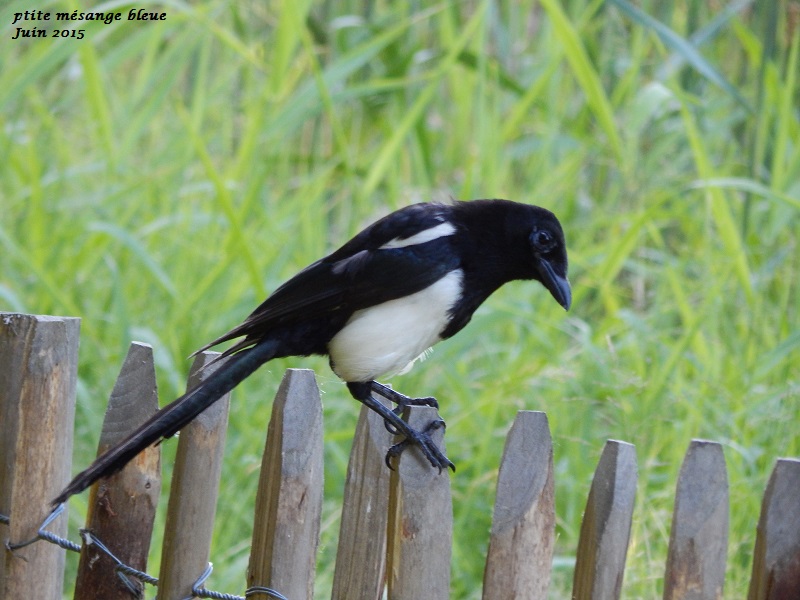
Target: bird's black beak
557, 285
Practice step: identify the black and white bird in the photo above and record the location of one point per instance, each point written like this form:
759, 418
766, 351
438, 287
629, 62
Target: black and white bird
406, 282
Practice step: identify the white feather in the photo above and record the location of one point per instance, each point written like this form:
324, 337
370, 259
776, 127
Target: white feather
386, 339
426, 235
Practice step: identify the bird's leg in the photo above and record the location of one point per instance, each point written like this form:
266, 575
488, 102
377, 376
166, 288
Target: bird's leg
401, 400
362, 391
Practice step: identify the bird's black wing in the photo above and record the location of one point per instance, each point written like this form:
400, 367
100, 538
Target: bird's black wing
371, 268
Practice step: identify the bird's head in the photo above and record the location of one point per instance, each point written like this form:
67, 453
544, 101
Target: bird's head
546, 242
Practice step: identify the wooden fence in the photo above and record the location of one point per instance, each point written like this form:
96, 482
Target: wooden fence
395, 527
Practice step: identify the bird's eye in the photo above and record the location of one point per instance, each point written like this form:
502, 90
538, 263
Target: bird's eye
543, 240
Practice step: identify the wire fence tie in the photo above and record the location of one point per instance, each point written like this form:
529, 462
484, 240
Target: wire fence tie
41, 534
201, 592
121, 569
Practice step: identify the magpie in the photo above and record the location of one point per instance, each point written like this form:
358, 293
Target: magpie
374, 306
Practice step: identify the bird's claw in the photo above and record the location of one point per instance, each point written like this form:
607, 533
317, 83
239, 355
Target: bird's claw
423, 440
426, 401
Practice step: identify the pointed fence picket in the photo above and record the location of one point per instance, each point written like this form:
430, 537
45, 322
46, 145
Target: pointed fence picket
396, 526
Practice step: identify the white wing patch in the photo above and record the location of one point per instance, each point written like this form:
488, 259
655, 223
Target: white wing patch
426, 235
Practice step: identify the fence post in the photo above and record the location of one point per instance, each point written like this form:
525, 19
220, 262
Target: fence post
606, 526
123, 506
420, 529
776, 559
289, 497
193, 492
523, 526
38, 378
360, 569
698, 541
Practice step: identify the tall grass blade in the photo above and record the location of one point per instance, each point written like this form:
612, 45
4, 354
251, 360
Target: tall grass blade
585, 73
138, 250
415, 111
705, 35
683, 47
237, 237
749, 186
720, 210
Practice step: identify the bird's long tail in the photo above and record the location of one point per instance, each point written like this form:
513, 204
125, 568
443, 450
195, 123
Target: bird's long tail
168, 420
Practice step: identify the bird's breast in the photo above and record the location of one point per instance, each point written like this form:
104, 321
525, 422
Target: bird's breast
385, 339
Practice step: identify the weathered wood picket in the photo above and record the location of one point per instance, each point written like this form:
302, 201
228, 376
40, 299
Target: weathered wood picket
396, 527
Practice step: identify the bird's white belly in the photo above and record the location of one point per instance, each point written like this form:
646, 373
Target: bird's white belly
387, 338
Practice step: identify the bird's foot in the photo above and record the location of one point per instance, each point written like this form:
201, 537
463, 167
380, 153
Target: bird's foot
423, 440
362, 391
401, 400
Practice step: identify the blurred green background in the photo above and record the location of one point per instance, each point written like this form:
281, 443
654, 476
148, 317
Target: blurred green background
159, 179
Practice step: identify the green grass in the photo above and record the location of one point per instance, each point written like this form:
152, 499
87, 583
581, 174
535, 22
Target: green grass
158, 180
